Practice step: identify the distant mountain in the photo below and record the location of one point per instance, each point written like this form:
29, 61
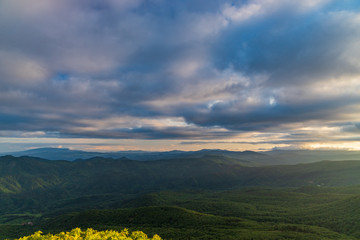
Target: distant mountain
56, 154
252, 158
306, 156
276, 157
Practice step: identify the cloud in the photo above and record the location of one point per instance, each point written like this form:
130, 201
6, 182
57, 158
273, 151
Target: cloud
293, 50
17, 69
94, 69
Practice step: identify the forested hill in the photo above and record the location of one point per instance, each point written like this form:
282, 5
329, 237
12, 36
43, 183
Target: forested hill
101, 175
33, 188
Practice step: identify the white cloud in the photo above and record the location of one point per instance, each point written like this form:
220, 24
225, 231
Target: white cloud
17, 69
255, 9
186, 68
242, 13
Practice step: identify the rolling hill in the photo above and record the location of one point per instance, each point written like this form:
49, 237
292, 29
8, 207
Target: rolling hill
62, 183
204, 197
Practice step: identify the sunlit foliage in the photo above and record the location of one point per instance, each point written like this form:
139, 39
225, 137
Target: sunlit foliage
91, 234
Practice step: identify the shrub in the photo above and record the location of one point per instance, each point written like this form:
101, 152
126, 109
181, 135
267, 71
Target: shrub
91, 234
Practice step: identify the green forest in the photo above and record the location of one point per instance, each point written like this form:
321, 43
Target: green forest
206, 197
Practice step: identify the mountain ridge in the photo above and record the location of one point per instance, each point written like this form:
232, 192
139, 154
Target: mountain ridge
274, 157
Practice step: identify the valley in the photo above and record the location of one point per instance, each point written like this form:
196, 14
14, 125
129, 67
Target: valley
202, 197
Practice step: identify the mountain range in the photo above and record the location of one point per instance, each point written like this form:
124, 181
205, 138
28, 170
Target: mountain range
275, 157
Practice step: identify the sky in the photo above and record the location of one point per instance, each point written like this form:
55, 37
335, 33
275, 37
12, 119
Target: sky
159, 75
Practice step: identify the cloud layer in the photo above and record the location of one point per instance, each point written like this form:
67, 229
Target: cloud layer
184, 70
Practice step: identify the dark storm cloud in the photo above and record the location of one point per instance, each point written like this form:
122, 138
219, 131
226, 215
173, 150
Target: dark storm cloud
292, 50
152, 133
72, 67
261, 118
252, 143
349, 127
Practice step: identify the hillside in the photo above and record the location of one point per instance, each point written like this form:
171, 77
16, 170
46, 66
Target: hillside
207, 197
103, 182
250, 213
180, 223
